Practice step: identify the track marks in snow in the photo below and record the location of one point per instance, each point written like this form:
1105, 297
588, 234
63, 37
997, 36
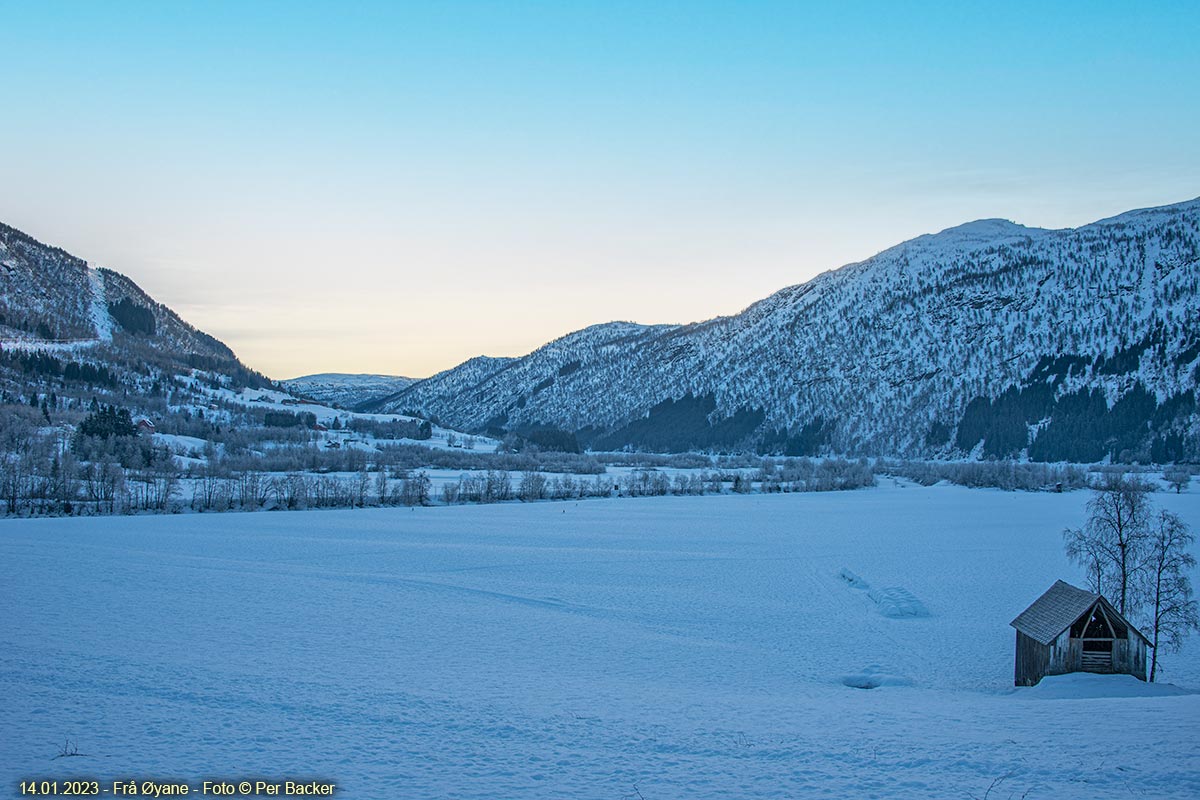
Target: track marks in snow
894, 602
873, 677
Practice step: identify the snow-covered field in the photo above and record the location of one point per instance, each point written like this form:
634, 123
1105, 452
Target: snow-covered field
676, 647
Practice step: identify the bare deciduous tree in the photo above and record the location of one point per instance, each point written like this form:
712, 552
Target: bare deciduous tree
1178, 477
1174, 612
414, 490
1113, 542
532, 487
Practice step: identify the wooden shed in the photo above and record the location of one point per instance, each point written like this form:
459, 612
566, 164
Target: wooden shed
1069, 629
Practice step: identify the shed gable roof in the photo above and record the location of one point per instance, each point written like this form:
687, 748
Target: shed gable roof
1054, 611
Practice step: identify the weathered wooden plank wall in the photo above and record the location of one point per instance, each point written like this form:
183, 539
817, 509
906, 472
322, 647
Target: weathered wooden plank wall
1033, 658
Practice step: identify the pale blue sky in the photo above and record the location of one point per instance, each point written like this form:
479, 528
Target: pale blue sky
396, 187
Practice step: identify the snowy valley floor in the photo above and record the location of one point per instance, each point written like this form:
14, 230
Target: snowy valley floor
654, 648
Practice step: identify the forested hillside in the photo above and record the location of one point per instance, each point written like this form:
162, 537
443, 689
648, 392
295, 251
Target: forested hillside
988, 340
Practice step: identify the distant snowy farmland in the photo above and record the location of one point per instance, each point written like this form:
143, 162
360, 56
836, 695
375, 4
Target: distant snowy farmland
676, 647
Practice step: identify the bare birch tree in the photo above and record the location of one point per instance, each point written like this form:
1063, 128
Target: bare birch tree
1112, 545
1174, 613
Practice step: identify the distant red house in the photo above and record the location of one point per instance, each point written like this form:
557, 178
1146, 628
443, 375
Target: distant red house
144, 425
319, 427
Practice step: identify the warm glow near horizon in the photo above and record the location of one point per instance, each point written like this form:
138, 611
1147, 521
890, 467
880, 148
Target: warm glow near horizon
394, 189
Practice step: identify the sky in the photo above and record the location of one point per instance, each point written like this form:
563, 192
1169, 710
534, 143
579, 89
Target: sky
397, 187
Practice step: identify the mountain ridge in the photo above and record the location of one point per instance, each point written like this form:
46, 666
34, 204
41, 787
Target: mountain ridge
56, 304
347, 390
988, 339
880, 355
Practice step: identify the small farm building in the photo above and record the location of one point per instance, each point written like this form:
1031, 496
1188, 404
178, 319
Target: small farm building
1069, 629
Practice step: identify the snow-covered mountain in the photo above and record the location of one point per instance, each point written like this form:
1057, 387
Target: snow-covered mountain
347, 390
988, 338
55, 305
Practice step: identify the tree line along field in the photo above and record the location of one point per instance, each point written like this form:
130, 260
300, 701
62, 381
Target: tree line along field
151, 478
213, 446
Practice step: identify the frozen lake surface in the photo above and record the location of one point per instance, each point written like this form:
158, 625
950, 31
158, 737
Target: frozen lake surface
687, 647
